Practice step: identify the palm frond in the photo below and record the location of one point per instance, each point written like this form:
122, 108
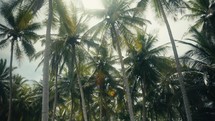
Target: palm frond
7, 12
142, 4
4, 70
28, 48
18, 52
36, 5
96, 29
33, 27
3, 43
23, 19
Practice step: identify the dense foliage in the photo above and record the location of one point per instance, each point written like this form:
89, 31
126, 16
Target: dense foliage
111, 71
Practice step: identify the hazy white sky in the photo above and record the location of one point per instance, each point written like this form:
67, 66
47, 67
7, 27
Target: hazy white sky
27, 69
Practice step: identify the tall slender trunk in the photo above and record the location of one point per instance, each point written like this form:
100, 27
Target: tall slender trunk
100, 103
71, 74
56, 92
45, 100
80, 87
11, 81
178, 67
143, 87
72, 105
126, 84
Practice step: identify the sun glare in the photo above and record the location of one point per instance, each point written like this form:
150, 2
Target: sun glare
87, 4
92, 4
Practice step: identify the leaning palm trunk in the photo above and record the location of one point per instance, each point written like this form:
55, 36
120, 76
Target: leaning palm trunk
126, 84
11, 68
45, 100
80, 86
178, 67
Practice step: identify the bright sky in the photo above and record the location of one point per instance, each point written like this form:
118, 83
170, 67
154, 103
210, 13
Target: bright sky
92, 4
27, 69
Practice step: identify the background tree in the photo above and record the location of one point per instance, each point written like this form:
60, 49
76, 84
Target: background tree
19, 28
146, 64
201, 56
103, 79
160, 6
4, 88
72, 27
117, 21
203, 12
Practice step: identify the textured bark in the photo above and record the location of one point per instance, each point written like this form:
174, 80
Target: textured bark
178, 67
45, 99
125, 79
11, 82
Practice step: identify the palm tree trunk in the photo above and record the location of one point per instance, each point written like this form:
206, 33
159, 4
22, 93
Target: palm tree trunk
11, 81
71, 76
80, 87
178, 67
127, 89
100, 103
71, 110
56, 92
45, 100
144, 100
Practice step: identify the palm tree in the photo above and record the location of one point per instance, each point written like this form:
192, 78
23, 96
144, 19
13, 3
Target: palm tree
203, 11
146, 64
103, 78
201, 56
171, 5
72, 27
22, 99
117, 21
45, 101
56, 58
19, 29
36, 103
62, 47
4, 89
32, 7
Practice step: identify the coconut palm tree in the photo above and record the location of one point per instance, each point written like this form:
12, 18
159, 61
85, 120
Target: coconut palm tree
201, 56
19, 29
45, 99
62, 46
33, 7
73, 29
22, 99
4, 88
36, 103
117, 21
56, 58
171, 6
103, 78
203, 12
146, 64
